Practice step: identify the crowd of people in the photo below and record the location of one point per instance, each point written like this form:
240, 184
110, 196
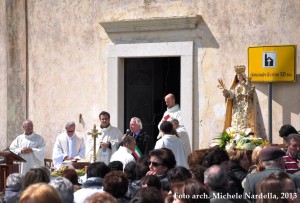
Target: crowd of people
133, 168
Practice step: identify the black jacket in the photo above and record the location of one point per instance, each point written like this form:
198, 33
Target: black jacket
237, 175
144, 142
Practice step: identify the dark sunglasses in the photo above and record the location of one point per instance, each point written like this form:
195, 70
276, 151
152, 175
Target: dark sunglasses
70, 131
154, 164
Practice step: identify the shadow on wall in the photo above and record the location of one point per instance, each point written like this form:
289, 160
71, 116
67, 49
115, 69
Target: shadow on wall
201, 36
200, 32
260, 120
286, 95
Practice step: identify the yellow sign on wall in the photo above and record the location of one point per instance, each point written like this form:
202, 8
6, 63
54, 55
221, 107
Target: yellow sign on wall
272, 63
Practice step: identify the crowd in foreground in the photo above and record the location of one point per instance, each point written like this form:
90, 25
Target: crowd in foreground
168, 173
213, 175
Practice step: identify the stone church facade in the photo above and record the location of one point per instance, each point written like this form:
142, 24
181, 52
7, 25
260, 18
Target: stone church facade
66, 60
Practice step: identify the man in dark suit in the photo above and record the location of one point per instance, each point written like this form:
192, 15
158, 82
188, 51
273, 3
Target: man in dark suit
273, 161
144, 142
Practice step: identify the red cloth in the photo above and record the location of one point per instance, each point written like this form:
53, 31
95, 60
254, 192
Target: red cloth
166, 117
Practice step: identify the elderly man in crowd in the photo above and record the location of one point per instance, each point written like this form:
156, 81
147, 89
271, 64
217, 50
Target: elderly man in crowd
30, 146
292, 154
273, 161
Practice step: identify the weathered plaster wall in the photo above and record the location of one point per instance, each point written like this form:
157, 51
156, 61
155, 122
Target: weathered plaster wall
13, 69
67, 66
3, 76
236, 25
68, 51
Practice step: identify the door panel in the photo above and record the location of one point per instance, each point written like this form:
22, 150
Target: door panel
147, 81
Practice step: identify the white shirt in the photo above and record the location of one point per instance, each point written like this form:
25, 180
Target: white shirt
175, 144
124, 155
34, 159
184, 137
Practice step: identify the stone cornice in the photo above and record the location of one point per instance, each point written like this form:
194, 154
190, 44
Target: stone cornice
153, 24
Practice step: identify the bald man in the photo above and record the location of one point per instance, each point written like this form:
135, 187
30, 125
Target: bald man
30, 146
173, 110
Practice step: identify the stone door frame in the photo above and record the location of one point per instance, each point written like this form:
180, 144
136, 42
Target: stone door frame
115, 76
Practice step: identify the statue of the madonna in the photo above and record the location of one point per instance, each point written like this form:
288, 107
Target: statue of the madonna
240, 108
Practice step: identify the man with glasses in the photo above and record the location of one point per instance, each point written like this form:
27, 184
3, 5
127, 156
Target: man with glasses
68, 146
30, 146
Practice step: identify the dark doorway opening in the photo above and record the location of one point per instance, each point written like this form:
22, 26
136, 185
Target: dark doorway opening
147, 81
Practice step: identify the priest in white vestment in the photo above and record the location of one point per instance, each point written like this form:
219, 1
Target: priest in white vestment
173, 111
183, 135
68, 146
172, 142
30, 146
106, 143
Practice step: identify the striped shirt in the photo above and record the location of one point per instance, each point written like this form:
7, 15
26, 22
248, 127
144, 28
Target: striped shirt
291, 165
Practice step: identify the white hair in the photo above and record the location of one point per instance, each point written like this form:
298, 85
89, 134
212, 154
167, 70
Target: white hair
138, 121
70, 123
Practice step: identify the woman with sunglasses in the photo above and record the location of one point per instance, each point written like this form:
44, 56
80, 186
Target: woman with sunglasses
161, 161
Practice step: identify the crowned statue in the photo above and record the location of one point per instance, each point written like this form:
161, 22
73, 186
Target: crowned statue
241, 129
240, 102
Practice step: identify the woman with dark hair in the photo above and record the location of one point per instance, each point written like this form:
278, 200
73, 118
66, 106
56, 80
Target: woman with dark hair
280, 186
216, 156
116, 184
148, 195
197, 172
35, 175
219, 156
239, 165
130, 170
161, 161
141, 170
72, 176
196, 157
150, 181
178, 173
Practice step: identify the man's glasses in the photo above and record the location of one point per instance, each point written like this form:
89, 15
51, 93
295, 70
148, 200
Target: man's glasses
70, 131
154, 164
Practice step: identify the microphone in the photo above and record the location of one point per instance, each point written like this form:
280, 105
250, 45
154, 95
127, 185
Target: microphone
128, 132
